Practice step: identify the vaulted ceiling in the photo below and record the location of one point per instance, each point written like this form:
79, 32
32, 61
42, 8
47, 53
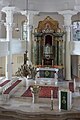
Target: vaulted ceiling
42, 5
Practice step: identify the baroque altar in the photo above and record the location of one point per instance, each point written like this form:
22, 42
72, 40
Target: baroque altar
48, 45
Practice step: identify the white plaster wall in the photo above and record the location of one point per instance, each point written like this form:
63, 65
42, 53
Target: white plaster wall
2, 65
18, 60
74, 65
18, 46
75, 47
3, 28
18, 18
3, 48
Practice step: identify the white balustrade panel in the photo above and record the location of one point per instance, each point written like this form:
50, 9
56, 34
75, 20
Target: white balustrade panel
3, 47
18, 46
75, 47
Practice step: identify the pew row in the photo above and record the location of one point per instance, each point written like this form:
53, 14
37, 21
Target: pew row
11, 90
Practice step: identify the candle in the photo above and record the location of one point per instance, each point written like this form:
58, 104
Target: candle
51, 99
52, 62
42, 62
35, 82
52, 94
74, 84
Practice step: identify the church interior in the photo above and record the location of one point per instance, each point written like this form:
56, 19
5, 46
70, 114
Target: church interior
39, 60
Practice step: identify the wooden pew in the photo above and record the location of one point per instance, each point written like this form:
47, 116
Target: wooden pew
11, 89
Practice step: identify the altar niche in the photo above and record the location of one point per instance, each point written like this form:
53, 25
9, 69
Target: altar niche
48, 43
48, 55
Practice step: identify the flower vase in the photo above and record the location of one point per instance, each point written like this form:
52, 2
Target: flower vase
35, 97
35, 93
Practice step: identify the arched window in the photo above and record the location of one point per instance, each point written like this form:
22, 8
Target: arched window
24, 30
76, 30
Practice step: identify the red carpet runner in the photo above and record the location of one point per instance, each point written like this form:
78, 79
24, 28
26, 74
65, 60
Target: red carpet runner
4, 83
11, 87
45, 92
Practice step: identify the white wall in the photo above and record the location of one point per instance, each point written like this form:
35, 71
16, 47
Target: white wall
75, 47
2, 65
17, 62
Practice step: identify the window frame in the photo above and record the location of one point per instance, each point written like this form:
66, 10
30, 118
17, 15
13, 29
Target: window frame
24, 31
76, 30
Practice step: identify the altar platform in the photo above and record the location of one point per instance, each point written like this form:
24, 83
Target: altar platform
22, 108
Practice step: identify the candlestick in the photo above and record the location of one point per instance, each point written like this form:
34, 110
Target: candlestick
74, 84
52, 104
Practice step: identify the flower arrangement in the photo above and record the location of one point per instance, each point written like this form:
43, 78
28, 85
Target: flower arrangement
35, 89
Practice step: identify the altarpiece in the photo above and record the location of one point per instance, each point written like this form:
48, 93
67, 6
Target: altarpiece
48, 43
